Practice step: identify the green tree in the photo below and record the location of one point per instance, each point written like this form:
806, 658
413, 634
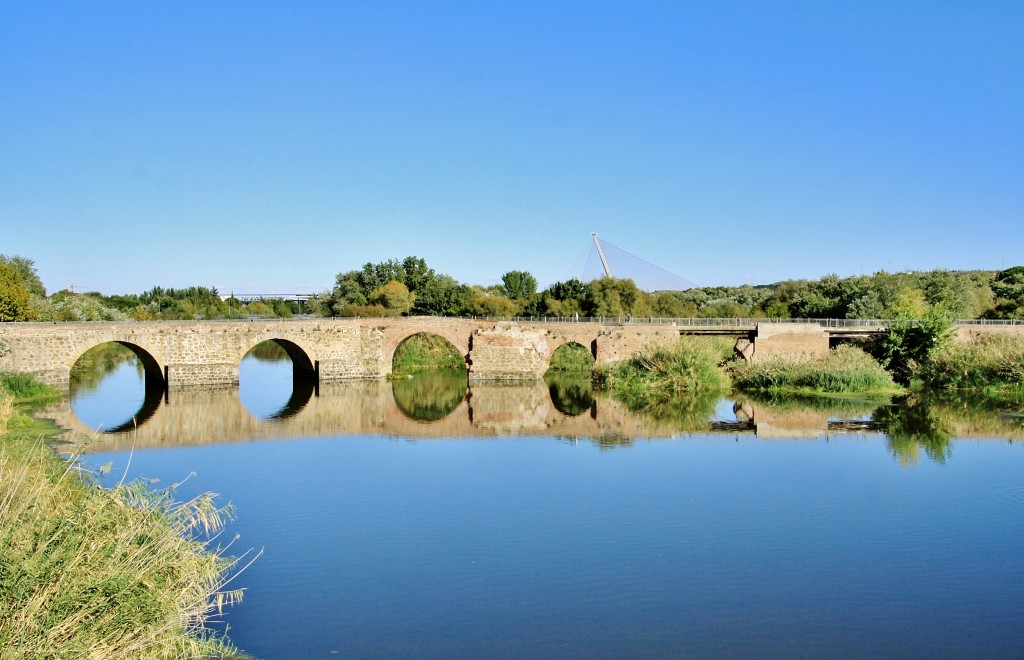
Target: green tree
1008, 287
441, 295
912, 337
615, 297
519, 285
416, 274
486, 303
562, 298
725, 310
15, 304
26, 272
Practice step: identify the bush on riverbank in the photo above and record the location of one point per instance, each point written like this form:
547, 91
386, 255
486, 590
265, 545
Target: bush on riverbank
846, 369
90, 572
992, 364
658, 375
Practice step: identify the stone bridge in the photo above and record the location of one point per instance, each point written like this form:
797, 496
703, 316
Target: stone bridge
179, 353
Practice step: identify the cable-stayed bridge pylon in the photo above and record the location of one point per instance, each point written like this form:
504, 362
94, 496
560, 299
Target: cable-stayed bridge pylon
603, 259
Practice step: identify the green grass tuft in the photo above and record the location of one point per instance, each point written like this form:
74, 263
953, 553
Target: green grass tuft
24, 387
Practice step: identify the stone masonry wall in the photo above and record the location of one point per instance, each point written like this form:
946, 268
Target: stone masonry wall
208, 352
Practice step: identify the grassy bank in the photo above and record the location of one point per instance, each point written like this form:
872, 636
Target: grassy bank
95, 573
845, 370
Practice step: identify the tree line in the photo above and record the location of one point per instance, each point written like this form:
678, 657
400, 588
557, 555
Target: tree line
410, 287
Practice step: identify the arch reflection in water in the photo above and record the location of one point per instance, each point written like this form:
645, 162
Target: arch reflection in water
115, 387
276, 380
430, 397
572, 393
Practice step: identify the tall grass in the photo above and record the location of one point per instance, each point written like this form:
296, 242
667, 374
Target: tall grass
95, 573
995, 362
659, 375
846, 369
25, 387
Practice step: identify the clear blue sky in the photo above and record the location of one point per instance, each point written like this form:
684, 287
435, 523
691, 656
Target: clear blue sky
267, 146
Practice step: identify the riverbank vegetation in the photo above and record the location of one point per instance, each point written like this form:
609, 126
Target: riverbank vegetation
992, 365
660, 374
845, 370
90, 572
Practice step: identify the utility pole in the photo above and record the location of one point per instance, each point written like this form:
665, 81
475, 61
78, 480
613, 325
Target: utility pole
600, 253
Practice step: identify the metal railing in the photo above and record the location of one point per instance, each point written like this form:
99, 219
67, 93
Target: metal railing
738, 322
687, 322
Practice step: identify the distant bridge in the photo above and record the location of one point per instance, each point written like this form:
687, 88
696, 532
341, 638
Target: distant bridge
178, 353
252, 297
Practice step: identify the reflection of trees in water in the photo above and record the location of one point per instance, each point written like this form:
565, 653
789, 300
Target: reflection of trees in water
929, 422
97, 363
686, 413
268, 351
572, 393
912, 425
430, 397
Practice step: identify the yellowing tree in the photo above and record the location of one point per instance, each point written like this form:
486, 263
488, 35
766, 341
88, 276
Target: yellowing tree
393, 296
14, 297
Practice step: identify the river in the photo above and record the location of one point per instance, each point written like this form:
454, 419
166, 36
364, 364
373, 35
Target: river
427, 518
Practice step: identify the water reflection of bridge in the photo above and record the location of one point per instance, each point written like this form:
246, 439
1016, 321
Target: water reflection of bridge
216, 415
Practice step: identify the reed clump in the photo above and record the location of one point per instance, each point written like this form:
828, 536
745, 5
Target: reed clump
661, 374
845, 370
990, 363
96, 573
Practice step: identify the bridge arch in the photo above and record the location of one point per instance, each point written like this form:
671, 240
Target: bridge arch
572, 355
154, 384
153, 370
459, 342
305, 369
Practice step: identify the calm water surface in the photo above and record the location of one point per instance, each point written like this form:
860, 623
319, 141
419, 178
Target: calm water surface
771, 532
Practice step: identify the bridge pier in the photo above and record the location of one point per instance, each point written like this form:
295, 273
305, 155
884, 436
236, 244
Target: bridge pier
786, 340
214, 373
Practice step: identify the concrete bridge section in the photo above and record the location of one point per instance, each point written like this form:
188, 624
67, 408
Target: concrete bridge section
180, 353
